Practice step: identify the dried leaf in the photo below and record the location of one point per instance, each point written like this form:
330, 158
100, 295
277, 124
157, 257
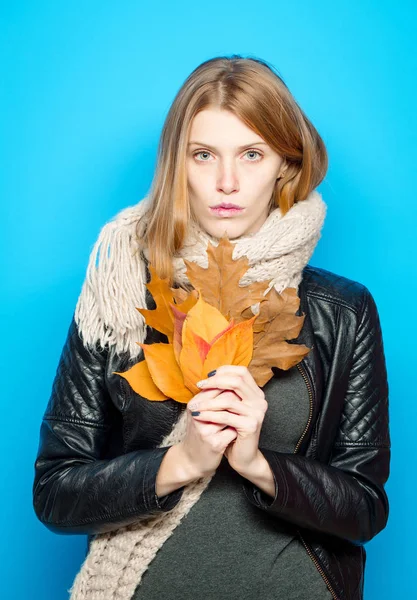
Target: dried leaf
213, 325
141, 382
219, 283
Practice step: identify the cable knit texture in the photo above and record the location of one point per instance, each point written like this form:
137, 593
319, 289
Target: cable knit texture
115, 284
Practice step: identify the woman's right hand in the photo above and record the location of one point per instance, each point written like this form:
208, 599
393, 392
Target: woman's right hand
204, 443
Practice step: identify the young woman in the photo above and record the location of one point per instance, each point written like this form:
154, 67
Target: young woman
244, 491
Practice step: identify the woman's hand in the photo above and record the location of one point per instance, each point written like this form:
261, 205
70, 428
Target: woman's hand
241, 406
204, 443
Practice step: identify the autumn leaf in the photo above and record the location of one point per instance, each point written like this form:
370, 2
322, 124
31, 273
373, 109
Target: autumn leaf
162, 318
276, 323
212, 325
220, 281
202, 340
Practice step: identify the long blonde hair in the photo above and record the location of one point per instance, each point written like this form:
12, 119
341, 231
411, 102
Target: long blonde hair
252, 90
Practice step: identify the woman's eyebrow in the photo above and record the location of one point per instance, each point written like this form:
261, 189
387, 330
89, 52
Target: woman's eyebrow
238, 148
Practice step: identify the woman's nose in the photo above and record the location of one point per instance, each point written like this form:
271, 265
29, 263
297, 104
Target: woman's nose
227, 179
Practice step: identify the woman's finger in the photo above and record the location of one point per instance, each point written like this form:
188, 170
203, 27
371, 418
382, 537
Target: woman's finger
226, 400
238, 379
244, 424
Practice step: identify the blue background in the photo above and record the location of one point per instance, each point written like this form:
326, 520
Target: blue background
85, 89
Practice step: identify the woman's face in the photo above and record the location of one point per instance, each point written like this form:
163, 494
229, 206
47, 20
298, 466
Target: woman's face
228, 162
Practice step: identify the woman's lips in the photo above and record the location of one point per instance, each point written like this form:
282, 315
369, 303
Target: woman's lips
226, 212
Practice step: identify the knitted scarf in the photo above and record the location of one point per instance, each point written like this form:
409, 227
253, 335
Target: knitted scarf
105, 314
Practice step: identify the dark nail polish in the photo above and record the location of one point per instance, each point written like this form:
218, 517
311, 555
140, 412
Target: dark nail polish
211, 373
195, 413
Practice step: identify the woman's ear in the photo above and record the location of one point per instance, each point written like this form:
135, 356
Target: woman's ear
282, 170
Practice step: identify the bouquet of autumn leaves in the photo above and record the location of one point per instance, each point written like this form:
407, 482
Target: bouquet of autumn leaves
213, 325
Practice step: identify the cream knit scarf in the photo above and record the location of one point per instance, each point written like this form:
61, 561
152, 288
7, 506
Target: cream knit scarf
106, 313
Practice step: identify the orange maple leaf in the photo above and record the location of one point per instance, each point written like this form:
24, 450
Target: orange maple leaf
215, 326
201, 340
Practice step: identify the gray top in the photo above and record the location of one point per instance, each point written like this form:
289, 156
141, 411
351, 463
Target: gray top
227, 548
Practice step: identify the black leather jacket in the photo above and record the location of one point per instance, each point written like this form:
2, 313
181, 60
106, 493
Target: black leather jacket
98, 457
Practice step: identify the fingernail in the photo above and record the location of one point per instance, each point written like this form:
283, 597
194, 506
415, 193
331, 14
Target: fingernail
211, 373
195, 413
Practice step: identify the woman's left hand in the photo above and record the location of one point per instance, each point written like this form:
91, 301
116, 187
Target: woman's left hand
242, 406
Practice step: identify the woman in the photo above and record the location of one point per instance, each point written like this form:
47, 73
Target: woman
244, 491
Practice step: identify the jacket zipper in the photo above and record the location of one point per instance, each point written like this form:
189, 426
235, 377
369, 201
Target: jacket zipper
308, 549
310, 416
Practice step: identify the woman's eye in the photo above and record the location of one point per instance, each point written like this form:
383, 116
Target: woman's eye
201, 152
254, 152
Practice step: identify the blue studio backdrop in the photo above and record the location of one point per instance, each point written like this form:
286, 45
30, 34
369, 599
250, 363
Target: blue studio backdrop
85, 89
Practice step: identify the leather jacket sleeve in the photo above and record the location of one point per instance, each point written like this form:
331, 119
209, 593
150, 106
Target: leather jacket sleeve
76, 489
344, 498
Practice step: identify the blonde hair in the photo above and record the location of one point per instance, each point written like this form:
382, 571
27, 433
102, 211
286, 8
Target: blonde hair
252, 90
